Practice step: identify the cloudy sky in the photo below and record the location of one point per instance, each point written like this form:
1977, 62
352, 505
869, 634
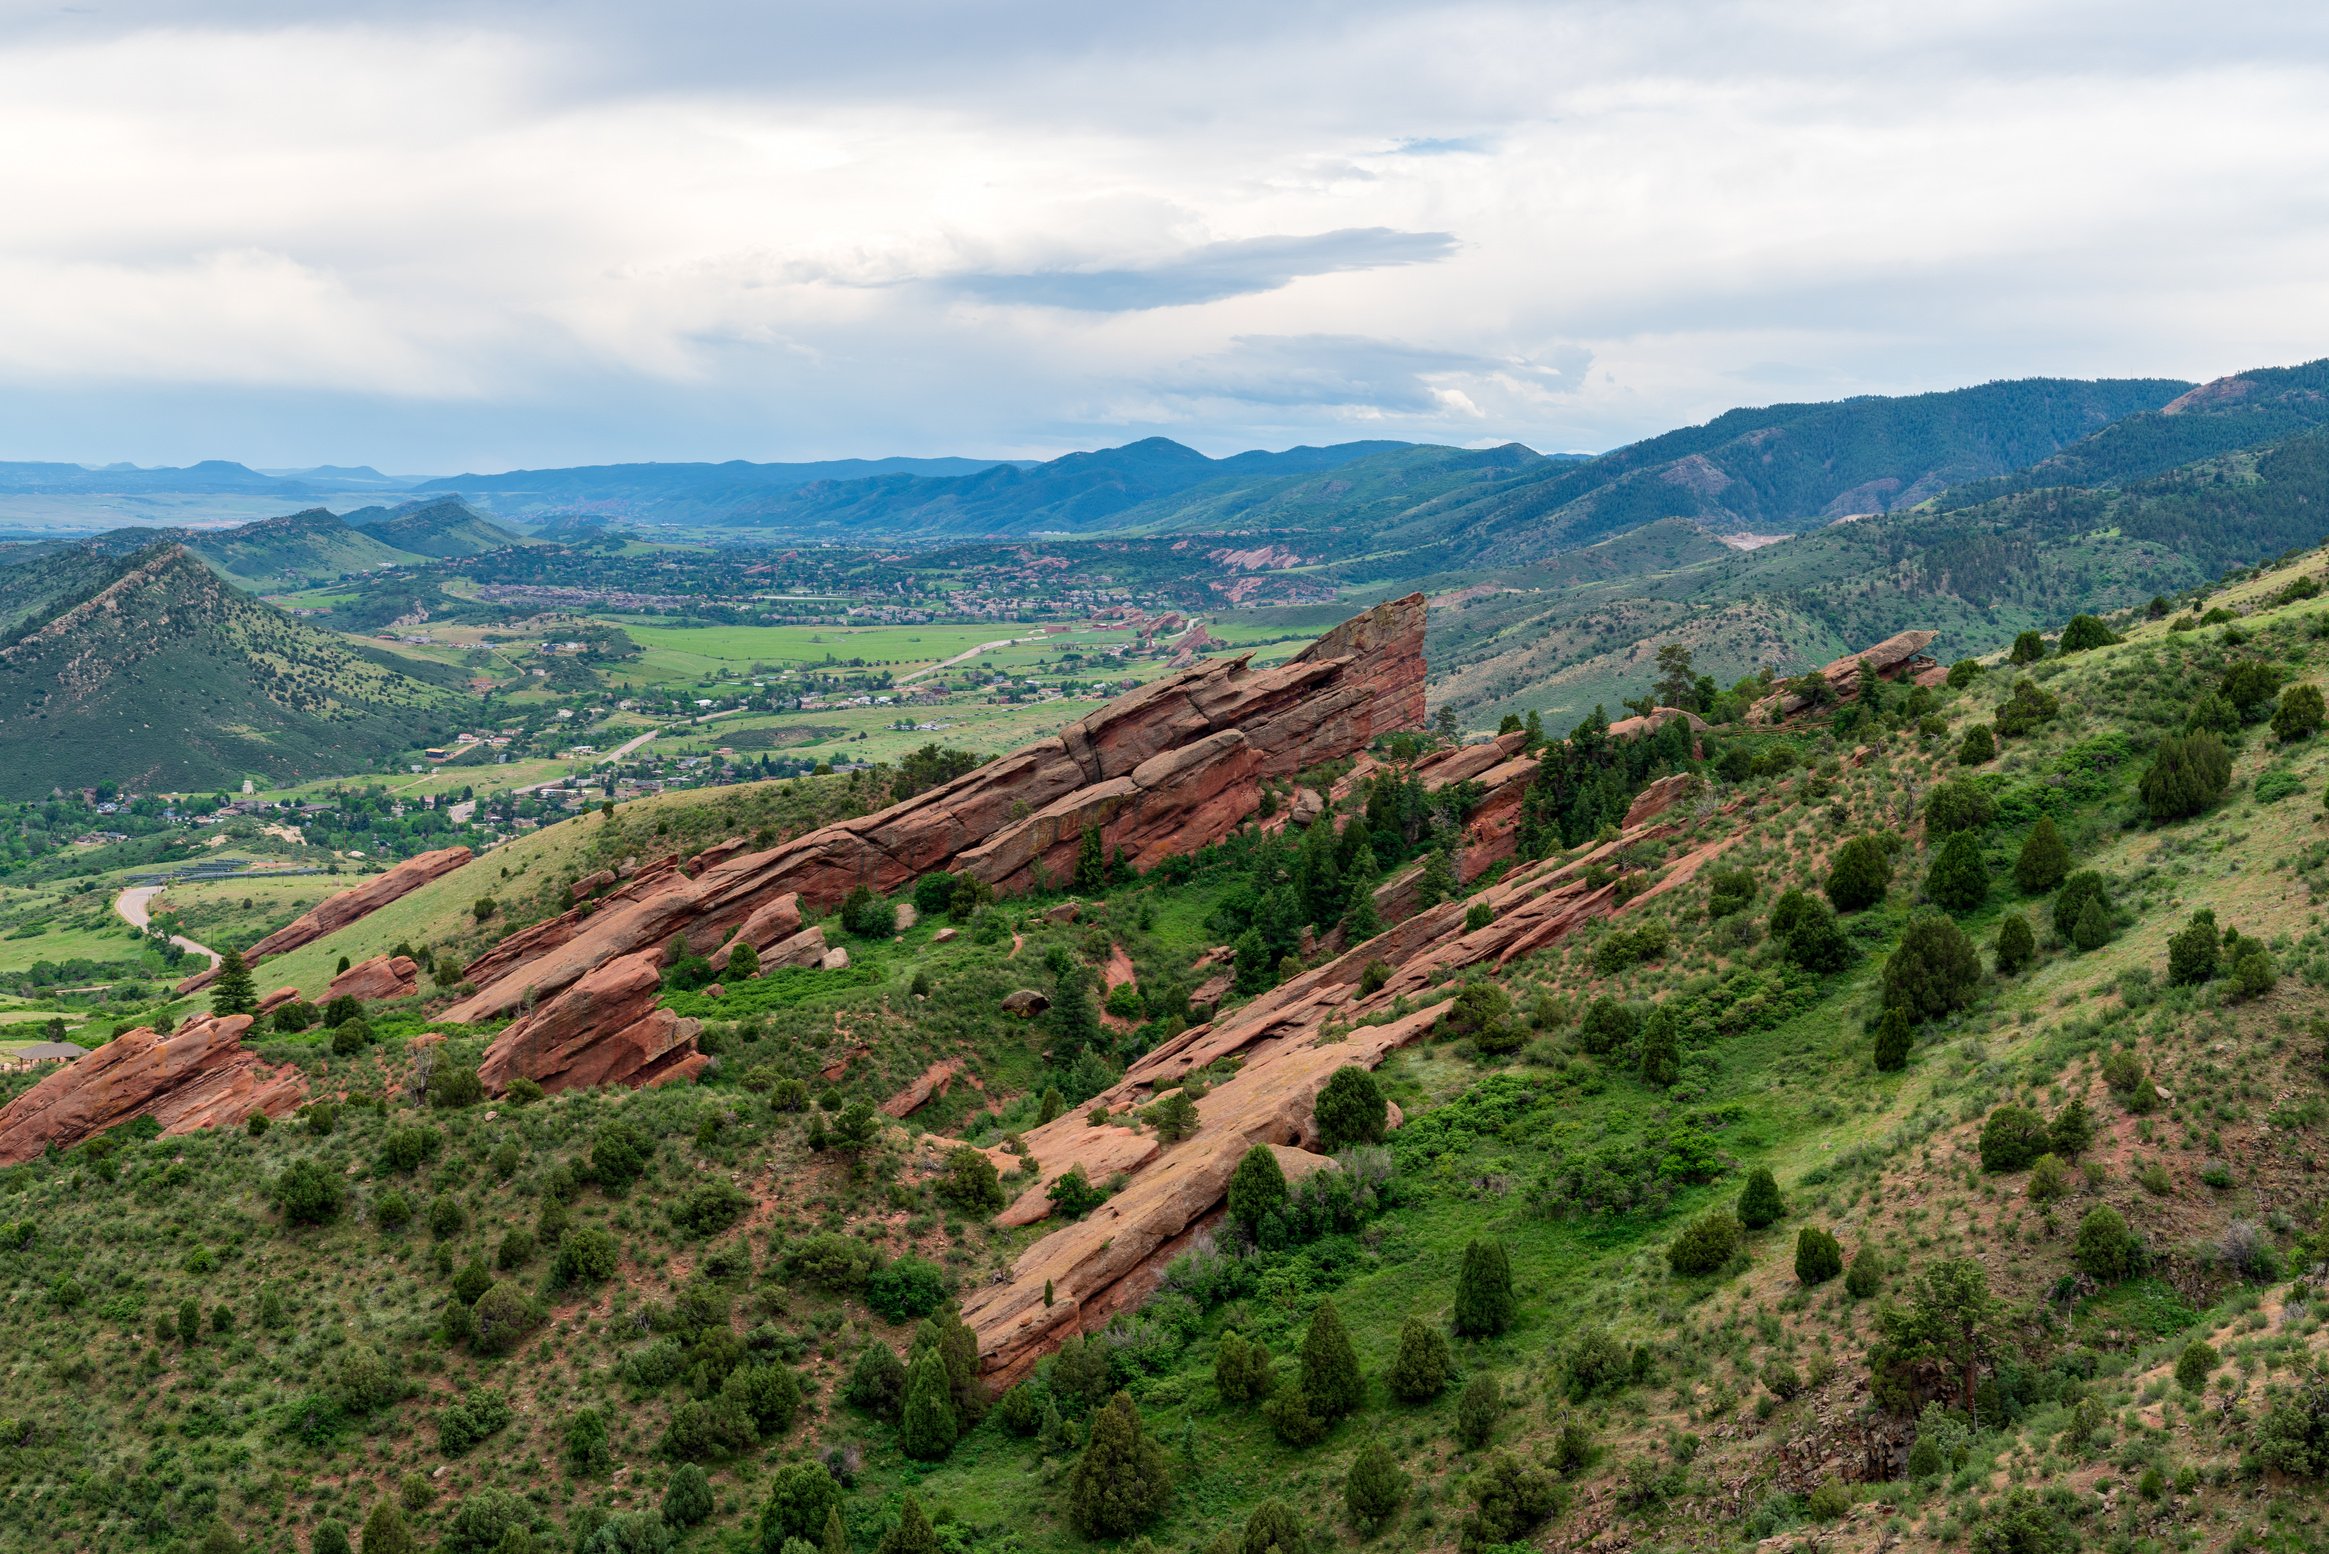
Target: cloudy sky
437, 237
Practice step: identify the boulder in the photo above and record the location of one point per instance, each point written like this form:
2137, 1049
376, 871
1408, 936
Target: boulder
383, 976
605, 1029
198, 1076
907, 916
1659, 797
336, 912
1026, 1003
932, 1083
590, 884
836, 959
772, 922
946, 936
806, 948
277, 999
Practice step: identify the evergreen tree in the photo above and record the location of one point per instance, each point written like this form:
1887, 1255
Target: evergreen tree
835, 1539
912, 1534
1091, 861
1375, 1487
2189, 773
687, 1499
1273, 1529
1978, 747
385, 1532
1893, 1041
1123, 1480
1332, 1383
1933, 971
2193, 951
1361, 919
1241, 1370
927, 1427
1257, 1188
1256, 973
2072, 1129
1484, 1302
1420, 1372
1959, 876
2017, 946
1350, 1110
1859, 874
1661, 1049
1861, 1280
1438, 882
1760, 1204
231, 991
329, 1538
2093, 929
2300, 713
2043, 861
2084, 632
1819, 1257
1478, 1409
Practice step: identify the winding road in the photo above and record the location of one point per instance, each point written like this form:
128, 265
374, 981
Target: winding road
134, 906
962, 658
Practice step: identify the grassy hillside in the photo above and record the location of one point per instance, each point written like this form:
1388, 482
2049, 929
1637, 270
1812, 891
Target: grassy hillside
1636, 1406
443, 528
156, 674
297, 548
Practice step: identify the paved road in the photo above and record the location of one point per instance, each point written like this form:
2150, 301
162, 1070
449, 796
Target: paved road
963, 657
134, 906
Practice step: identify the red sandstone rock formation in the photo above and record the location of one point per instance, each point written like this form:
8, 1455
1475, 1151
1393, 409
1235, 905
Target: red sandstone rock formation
932, 1083
277, 999
1169, 767
383, 976
1901, 655
198, 1076
604, 1029
336, 912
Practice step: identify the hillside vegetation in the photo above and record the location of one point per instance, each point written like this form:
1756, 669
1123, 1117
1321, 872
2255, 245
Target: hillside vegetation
1933, 1169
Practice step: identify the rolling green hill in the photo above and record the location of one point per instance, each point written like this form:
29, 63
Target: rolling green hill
446, 528
299, 547
160, 675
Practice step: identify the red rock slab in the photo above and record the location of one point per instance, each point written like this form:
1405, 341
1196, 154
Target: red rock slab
336, 912
1655, 719
1659, 797
1900, 654
383, 976
277, 999
198, 1076
605, 1029
806, 948
773, 922
932, 1083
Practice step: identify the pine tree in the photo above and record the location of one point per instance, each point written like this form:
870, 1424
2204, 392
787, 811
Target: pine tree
1438, 882
1332, 1383
912, 1534
329, 1538
1819, 1257
1760, 1203
1859, 874
927, 1427
1933, 970
1661, 1049
1361, 920
1273, 1529
1350, 1110
2093, 929
2071, 1130
1484, 1303
1241, 1370
1375, 1487
1420, 1372
385, 1532
1123, 1480
1256, 1188
1091, 861
231, 991
1959, 877
2017, 946
2043, 861
835, 1539
1892, 1041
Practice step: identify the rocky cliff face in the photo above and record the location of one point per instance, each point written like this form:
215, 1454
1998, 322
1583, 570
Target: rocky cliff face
198, 1076
333, 913
1167, 768
604, 1029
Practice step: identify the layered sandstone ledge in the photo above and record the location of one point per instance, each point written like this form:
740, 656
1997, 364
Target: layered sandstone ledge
334, 913
1167, 768
198, 1076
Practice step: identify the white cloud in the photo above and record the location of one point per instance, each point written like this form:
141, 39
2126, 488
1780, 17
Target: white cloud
459, 237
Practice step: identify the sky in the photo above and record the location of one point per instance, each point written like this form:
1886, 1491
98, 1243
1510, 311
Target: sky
438, 238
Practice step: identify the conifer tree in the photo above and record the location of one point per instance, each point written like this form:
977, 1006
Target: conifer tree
2093, 929
1892, 1041
2017, 946
2071, 1130
1350, 1110
385, 1532
1661, 1049
2044, 861
836, 1535
1819, 1257
1123, 1480
1420, 1372
1859, 874
231, 991
1332, 1383
1759, 1203
912, 1534
1273, 1529
1484, 1303
1256, 1188
1959, 877
1477, 1410
1375, 1487
927, 1427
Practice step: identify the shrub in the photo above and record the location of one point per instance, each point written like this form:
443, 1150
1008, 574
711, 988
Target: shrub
1859, 873
1172, 1116
1256, 1188
1421, 1369
2071, 901
769, 1396
710, 1207
834, 1261
1593, 1363
2017, 946
1978, 747
585, 1444
2084, 632
2194, 1365
619, 1153
1073, 1195
478, 1415
1893, 1041
505, 1315
2192, 951
1375, 1487
1509, 1498
1271, 1529
934, 893
1610, 1025
1728, 891
687, 1499
1123, 1481
2028, 648
971, 1182
446, 1217
2189, 773
2013, 1137
2249, 686
1819, 1257
1661, 1049
1759, 1203
1809, 934
2024, 709
800, 1498
867, 916
2252, 971
1350, 1110
1707, 1244
484, 1519
910, 1287
1933, 971
1959, 877
1478, 1409
309, 1192
392, 1210
1021, 1410
586, 1255
2300, 714
2049, 1179
2106, 1249
451, 1086
1482, 1011
1241, 1370
1862, 1279
1484, 1302
1958, 805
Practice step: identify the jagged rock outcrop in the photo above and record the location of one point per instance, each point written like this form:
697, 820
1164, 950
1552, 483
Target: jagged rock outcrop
198, 1076
383, 976
334, 913
1899, 656
603, 1030
1171, 766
